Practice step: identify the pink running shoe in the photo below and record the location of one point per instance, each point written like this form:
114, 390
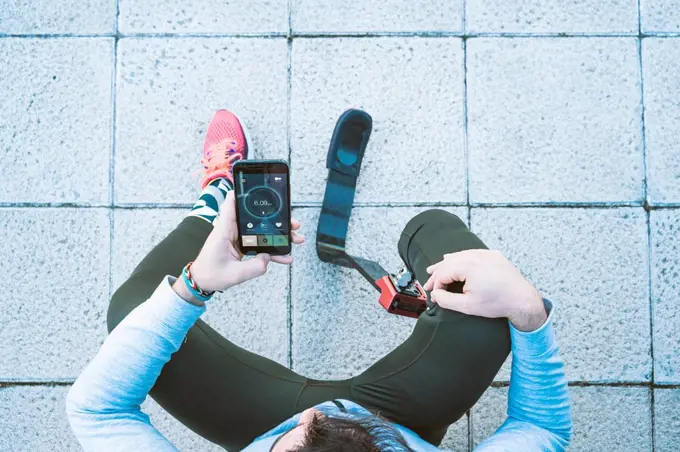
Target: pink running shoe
226, 142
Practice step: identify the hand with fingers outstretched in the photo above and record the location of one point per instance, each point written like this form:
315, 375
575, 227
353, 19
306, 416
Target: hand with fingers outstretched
493, 287
220, 264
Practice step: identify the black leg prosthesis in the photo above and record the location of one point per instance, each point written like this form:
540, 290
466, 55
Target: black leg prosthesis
400, 293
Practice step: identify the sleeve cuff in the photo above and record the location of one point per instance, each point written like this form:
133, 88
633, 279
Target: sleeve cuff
535, 342
172, 310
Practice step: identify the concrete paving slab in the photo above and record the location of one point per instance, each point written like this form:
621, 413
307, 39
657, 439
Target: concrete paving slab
666, 419
33, 419
660, 15
203, 16
413, 90
593, 264
552, 16
605, 418
58, 262
167, 93
309, 16
665, 265
554, 120
456, 439
135, 233
45, 16
55, 124
488, 414
661, 70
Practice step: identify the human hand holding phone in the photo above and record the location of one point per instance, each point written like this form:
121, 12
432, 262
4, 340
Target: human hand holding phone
220, 264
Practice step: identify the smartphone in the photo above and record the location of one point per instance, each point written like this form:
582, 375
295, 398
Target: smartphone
262, 189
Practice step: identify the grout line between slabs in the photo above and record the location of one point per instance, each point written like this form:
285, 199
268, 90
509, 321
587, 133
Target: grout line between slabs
466, 161
645, 197
652, 417
464, 17
322, 35
288, 135
112, 154
639, 18
23, 383
643, 129
361, 204
470, 432
466, 145
117, 11
651, 322
290, 317
112, 222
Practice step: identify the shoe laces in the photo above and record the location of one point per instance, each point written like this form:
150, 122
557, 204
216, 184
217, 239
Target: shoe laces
221, 156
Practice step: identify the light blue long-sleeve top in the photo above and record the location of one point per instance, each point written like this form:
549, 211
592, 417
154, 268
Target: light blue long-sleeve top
103, 405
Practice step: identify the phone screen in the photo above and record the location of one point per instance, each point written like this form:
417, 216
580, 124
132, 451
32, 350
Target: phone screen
263, 207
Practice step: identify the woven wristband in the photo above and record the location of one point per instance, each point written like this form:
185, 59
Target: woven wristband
192, 286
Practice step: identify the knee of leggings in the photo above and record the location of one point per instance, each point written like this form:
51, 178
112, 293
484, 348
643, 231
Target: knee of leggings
440, 217
432, 216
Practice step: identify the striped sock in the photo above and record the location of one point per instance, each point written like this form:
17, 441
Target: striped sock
210, 200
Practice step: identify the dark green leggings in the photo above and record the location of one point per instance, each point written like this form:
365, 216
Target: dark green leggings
230, 395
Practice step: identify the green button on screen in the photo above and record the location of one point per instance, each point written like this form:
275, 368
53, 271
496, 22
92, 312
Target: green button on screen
280, 240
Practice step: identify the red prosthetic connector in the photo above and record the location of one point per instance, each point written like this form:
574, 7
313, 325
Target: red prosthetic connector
409, 303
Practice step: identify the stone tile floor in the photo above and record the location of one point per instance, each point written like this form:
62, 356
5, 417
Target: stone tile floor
551, 126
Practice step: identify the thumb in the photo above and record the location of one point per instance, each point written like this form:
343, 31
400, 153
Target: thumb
228, 210
453, 301
252, 268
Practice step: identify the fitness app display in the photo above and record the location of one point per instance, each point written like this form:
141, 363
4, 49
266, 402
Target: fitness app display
263, 208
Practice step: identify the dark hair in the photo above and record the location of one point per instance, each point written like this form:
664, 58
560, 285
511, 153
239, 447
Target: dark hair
358, 434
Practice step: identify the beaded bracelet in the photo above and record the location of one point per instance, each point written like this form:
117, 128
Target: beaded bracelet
193, 287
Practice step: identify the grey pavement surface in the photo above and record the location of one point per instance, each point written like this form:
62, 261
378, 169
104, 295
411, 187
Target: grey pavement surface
552, 127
